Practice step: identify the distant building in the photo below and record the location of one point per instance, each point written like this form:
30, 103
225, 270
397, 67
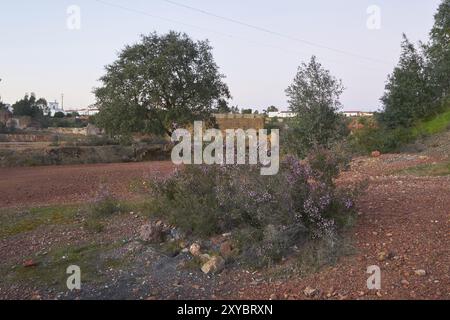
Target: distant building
53, 108
357, 113
89, 111
282, 114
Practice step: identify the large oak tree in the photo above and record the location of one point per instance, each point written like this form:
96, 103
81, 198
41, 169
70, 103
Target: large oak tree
162, 82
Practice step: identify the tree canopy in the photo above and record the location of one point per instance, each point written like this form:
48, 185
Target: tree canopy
421, 80
439, 51
30, 106
162, 82
407, 92
314, 96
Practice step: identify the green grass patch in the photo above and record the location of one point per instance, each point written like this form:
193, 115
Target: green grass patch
13, 222
50, 270
438, 124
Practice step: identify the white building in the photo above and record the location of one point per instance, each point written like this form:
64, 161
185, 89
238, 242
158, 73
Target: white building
282, 114
357, 114
53, 107
89, 111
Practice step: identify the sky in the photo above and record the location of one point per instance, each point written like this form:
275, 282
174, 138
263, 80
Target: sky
42, 50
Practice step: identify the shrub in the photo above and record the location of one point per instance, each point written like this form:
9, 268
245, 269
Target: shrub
104, 204
266, 214
369, 139
97, 141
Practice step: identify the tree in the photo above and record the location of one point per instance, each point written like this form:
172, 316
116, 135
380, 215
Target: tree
29, 106
314, 96
158, 84
438, 51
246, 111
407, 94
222, 107
234, 109
271, 109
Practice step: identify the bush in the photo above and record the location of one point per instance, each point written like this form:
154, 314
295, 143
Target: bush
370, 139
97, 141
104, 204
266, 214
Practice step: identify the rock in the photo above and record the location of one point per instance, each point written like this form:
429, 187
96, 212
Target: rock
194, 249
405, 282
376, 154
382, 256
420, 272
309, 292
217, 240
204, 257
214, 265
176, 234
152, 233
226, 249
30, 263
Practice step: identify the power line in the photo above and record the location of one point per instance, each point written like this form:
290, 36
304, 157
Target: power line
136, 11
278, 34
118, 6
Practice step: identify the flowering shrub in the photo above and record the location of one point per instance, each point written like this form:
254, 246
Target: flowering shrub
266, 214
104, 203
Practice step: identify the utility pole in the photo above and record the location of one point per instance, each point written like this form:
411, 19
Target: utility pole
62, 101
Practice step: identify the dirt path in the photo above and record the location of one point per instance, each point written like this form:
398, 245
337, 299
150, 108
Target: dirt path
21, 187
403, 227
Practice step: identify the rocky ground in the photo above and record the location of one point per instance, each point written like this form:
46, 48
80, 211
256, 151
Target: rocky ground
403, 227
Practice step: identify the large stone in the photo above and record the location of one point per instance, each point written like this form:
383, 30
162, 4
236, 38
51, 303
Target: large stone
420, 272
194, 249
204, 257
376, 154
310, 292
214, 265
152, 233
226, 249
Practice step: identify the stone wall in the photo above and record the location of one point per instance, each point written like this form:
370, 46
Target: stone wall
239, 121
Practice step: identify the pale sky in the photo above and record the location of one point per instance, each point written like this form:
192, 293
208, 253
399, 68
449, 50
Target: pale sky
39, 53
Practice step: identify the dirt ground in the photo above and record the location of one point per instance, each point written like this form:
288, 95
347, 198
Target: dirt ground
34, 186
403, 227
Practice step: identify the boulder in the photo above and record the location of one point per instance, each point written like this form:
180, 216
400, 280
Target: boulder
310, 292
420, 272
226, 249
152, 233
376, 154
194, 249
214, 265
